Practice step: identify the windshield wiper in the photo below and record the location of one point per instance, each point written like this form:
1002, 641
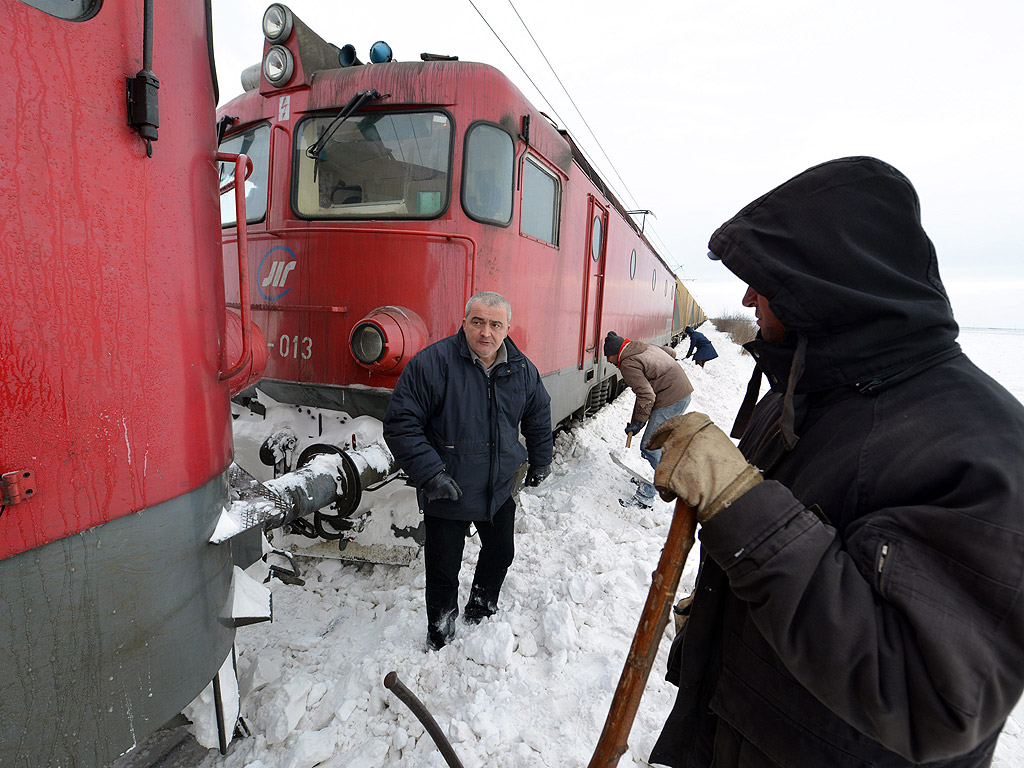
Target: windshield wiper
315, 150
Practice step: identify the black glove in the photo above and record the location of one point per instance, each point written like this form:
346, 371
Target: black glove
534, 475
442, 486
634, 427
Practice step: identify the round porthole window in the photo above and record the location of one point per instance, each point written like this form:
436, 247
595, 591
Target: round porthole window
654, 280
595, 239
632, 265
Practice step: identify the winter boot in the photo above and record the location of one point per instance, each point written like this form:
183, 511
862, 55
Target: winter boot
637, 501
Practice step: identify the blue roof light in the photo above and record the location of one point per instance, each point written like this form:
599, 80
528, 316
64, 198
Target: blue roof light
380, 52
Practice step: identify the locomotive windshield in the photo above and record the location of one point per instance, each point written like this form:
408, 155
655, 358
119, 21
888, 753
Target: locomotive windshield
375, 165
255, 143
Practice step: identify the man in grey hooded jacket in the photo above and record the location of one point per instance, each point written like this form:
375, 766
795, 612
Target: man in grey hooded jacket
859, 602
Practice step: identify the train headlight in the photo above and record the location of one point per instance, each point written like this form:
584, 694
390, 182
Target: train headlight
387, 338
277, 23
278, 66
368, 343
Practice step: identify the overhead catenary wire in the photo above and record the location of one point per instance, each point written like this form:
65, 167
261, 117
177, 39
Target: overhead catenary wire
666, 252
572, 101
521, 67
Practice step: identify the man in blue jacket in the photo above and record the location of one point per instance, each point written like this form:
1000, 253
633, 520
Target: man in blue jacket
453, 425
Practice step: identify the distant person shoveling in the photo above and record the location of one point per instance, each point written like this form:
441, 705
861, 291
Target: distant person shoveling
662, 391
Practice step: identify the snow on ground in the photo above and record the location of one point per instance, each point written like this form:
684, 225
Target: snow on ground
531, 686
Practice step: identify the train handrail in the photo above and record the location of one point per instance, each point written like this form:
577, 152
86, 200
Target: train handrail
243, 167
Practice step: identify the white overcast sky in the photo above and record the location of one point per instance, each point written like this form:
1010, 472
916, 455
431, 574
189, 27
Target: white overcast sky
696, 108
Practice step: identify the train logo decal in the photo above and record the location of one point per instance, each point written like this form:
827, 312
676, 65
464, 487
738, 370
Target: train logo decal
273, 273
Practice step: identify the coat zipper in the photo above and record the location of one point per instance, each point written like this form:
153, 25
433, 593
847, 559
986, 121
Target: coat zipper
493, 419
883, 553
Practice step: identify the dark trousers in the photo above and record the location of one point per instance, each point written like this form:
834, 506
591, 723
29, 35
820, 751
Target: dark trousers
442, 557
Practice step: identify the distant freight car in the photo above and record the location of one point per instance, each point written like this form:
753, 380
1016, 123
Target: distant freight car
687, 312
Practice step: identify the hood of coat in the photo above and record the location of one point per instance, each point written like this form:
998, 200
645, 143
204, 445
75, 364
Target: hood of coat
841, 256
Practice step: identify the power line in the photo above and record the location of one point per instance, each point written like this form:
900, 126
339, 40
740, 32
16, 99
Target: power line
571, 101
521, 69
666, 252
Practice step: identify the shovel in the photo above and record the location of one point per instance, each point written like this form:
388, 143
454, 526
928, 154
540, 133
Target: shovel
635, 475
612, 743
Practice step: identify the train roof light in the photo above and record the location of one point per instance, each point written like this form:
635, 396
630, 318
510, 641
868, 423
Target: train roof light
277, 23
380, 52
278, 66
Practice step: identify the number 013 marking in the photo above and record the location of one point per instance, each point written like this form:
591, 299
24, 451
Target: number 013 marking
293, 346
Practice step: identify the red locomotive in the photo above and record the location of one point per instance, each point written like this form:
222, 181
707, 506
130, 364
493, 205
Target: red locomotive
383, 196
115, 378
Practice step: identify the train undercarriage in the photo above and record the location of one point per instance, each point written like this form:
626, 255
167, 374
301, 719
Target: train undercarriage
321, 483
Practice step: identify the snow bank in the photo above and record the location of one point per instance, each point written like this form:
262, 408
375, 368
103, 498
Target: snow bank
530, 686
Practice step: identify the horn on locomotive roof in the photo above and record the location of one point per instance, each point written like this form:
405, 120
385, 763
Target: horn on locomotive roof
347, 57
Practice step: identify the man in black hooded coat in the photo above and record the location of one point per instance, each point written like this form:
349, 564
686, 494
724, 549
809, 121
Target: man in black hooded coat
862, 606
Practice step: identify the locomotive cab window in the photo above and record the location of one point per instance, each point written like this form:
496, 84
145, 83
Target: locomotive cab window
255, 143
378, 165
69, 10
487, 174
541, 202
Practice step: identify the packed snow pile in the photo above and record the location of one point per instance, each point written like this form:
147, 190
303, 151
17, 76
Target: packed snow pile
530, 686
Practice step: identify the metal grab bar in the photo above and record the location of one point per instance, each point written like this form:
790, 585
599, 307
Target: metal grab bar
243, 168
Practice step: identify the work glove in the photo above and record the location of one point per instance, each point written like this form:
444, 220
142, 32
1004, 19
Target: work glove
634, 427
535, 474
700, 465
442, 486
681, 612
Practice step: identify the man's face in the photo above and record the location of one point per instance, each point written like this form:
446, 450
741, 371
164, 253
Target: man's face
486, 329
771, 329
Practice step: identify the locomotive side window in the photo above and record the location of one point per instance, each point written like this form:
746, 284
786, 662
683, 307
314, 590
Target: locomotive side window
255, 143
595, 238
377, 165
487, 174
541, 202
71, 10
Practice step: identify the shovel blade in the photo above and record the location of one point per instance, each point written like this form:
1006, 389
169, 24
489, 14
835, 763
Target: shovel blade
636, 475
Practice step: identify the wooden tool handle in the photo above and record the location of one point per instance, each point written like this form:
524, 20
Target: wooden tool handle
612, 743
629, 438
397, 687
